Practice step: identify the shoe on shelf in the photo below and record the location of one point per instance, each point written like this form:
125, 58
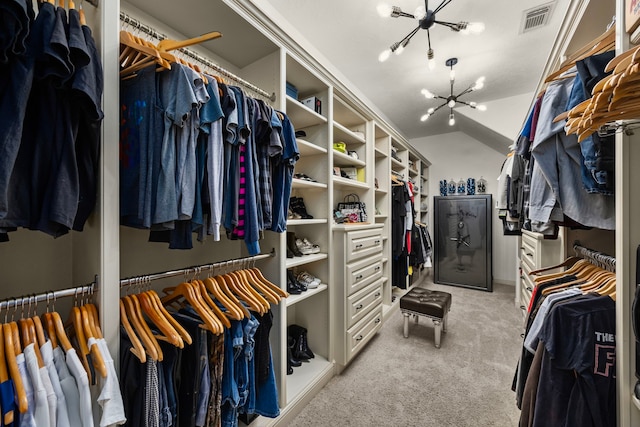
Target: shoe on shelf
315, 249
300, 350
292, 285
291, 244
303, 177
295, 284
292, 215
292, 362
307, 279
303, 247
297, 206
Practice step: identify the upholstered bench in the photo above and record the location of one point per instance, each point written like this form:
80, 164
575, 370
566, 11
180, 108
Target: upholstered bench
424, 302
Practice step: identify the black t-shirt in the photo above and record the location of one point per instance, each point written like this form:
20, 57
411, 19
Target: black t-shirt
577, 376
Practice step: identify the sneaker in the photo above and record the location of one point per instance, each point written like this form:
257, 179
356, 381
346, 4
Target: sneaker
307, 279
303, 247
315, 249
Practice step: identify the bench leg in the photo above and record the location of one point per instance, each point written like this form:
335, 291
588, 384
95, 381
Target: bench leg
444, 322
438, 327
406, 325
416, 317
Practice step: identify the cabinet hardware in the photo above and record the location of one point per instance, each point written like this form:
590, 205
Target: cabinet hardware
358, 277
529, 288
378, 320
377, 268
522, 307
377, 242
377, 294
359, 338
359, 306
359, 245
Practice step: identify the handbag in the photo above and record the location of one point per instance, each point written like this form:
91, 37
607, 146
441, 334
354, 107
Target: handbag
353, 209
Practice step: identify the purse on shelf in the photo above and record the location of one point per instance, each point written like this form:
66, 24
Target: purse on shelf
353, 209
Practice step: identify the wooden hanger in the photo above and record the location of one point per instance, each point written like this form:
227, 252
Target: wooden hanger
186, 291
12, 364
139, 313
94, 348
167, 45
603, 43
150, 347
83, 349
237, 286
259, 290
223, 282
160, 321
155, 300
267, 291
137, 54
552, 276
232, 309
211, 304
566, 263
256, 271
136, 348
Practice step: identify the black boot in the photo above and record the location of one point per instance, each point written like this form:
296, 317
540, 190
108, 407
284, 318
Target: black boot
292, 286
297, 205
291, 361
301, 350
291, 243
295, 283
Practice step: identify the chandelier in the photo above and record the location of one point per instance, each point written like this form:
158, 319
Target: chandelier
452, 100
426, 18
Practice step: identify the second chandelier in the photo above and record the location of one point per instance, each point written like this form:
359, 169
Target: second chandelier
452, 100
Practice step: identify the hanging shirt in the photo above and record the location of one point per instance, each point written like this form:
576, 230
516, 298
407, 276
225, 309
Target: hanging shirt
62, 415
82, 380
87, 87
27, 419
110, 398
69, 387
41, 413
151, 404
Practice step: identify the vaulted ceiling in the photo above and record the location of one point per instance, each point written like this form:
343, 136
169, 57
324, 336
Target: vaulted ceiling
351, 34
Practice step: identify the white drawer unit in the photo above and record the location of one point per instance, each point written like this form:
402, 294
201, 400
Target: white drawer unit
363, 301
363, 243
357, 288
359, 274
536, 252
361, 332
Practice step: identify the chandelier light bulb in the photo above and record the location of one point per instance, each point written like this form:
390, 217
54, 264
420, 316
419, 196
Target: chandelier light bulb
481, 107
384, 10
399, 50
452, 120
427, 94
452, 74
479, 84
425, 117
451, 103
420, 13
475, 27
384, 55
431, 110
431, 63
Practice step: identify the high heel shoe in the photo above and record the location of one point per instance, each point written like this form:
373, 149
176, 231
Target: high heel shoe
292, 362
291, 243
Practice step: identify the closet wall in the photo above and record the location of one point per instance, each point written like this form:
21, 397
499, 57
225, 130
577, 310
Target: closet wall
444, 151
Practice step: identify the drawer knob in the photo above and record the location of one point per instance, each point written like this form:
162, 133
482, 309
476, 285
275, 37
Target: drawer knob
377, 294
359, 338
377, 268
529, 254
529, 288
377, 242
359, 276
359, 245
522, 307
378, 320
358, 307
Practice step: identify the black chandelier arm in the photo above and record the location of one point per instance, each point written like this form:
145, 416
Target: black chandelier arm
429, 38
441, 6
451, 25
467, 90
439, 107
464, 103
410, 35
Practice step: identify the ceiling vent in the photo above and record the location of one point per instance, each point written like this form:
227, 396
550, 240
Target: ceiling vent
536, 17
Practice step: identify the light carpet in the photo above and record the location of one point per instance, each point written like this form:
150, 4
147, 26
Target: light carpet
397, 381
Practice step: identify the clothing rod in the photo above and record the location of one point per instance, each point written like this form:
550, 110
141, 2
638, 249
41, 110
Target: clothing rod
201, 59
194, 269
596, 258
26, 300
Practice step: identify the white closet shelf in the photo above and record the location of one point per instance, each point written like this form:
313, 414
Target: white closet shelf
306, 221
301, 183
307, 148
294, 299
413, 172
341, 133
302, 116
355, 226
397, 163
346, 182
380, 154
305, 259
306, 375
381, 216
381, 191
341, 159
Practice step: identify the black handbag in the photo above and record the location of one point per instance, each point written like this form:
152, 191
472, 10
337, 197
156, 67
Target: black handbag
353, 209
